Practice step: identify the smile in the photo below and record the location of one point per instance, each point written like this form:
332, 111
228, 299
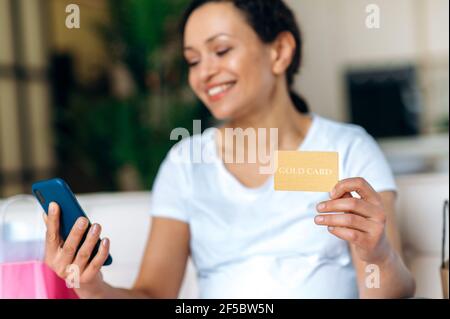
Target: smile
217, 92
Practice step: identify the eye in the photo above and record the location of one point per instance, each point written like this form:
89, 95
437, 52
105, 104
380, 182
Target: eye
192, 64
223, 52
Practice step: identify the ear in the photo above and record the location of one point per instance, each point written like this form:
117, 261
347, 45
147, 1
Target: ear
282, 52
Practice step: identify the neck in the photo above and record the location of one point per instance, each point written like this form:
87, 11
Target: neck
279, 113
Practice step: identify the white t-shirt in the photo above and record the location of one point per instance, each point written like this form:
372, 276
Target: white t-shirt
261, 243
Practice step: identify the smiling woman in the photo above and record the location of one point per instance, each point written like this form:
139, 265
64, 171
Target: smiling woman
246, 239
232, 46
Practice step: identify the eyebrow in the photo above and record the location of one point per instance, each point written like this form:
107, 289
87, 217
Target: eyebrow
210, 39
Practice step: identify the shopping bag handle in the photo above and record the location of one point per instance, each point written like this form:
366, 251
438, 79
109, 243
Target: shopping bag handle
444, 231
12, 200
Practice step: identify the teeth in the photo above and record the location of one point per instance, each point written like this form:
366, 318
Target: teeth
219, 89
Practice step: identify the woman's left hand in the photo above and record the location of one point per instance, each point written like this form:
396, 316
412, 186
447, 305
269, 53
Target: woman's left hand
361, 221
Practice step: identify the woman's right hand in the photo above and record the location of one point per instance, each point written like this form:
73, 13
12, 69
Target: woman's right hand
59, 255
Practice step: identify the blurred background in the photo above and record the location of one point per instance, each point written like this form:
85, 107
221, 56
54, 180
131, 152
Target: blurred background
95, 105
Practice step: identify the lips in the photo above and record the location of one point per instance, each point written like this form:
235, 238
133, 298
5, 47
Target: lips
217, 92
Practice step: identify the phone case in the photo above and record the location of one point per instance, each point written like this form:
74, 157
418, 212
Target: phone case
56, 190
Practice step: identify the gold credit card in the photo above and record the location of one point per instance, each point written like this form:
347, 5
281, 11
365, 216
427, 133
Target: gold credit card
306, 171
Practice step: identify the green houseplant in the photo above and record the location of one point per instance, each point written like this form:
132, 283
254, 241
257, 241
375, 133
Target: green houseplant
120, 136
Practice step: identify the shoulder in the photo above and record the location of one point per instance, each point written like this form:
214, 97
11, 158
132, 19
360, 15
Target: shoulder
340, 135
359, 153
332, 127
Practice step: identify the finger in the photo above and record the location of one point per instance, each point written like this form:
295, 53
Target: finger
350, 235
347, 195
52, 238
97, 262
345, 220
358, 185
67, 253
349, 205
85, 252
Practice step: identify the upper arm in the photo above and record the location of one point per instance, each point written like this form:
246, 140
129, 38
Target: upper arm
165, 257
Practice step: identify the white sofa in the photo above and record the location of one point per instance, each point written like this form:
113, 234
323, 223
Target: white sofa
420, 204
125, 220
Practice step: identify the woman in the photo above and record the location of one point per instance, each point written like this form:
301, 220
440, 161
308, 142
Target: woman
245, 239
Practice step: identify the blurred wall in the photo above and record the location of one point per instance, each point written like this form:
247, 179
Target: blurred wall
26, 151
336, 38
30, 31
91, 55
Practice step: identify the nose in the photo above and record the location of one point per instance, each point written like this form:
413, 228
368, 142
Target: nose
208, 69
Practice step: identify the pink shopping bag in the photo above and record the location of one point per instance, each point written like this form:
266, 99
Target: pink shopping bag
32, 280
23, 274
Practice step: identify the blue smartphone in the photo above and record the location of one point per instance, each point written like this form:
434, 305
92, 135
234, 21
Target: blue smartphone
56, 190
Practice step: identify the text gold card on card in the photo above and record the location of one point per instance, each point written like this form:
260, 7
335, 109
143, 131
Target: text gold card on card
306, 171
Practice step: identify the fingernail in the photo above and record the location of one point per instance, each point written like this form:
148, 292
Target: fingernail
105, 242
321, 206
81, 223
51, 208
95, 229
319, 219
333, 191
330, 228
